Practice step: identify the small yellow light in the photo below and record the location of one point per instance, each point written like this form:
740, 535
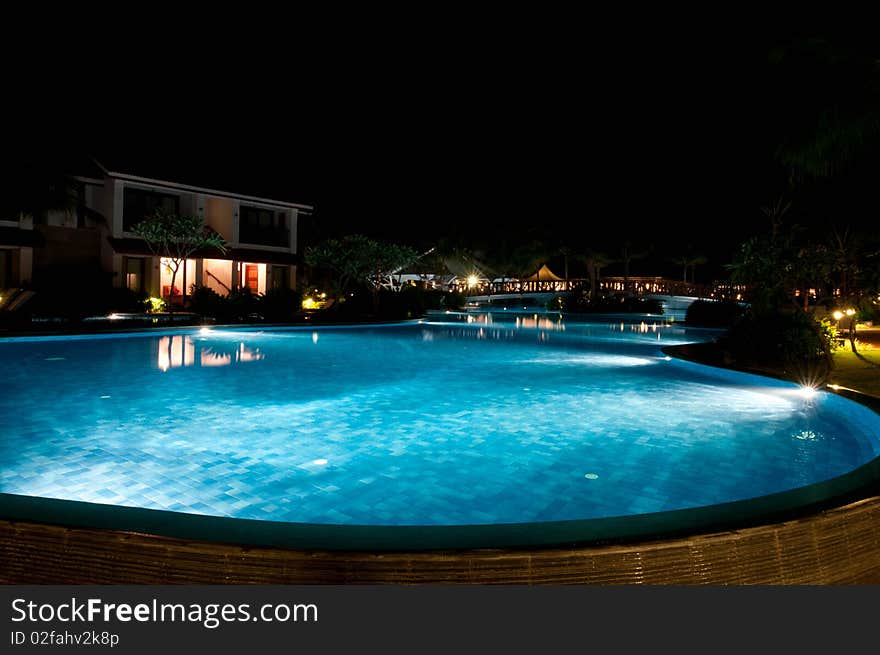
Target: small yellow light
837, 315
472, 280
850, 312
308, 303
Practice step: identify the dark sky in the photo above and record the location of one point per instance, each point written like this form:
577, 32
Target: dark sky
660, 138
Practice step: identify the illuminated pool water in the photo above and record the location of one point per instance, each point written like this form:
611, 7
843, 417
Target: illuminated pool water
424, 423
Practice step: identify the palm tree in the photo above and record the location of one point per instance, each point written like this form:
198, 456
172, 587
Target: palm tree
35, 192
846, 258
828, 102
595, 261
690, 261
626, 256
566, 252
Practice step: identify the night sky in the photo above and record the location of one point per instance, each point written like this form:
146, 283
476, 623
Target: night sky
664, 140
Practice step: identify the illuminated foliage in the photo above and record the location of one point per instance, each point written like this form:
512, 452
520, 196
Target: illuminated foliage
177, 237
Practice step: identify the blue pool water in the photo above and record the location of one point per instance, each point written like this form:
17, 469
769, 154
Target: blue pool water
469, 422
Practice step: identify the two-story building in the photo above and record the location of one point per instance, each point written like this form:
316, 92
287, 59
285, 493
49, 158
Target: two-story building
261, 235
17, 242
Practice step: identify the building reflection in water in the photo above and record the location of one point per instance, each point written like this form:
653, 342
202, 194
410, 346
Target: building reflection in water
520, 326
535, 321
179, 351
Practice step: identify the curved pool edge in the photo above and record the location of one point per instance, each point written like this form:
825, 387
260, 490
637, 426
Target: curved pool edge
837, 546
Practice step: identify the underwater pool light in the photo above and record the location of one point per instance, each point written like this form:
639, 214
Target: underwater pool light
806, 391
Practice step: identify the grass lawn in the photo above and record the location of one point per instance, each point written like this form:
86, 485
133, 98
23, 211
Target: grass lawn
861, 374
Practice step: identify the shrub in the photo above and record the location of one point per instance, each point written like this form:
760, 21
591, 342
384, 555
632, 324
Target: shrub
868, 311
243, 305
452, 300
557, 303
207, 302
714, 313
239, 305
792, 341
121, 300
280, 304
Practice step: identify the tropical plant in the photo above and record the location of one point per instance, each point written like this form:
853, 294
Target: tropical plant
689, 261
177, 237
35, 188
595, 261
828, 109
714, 313
359, 260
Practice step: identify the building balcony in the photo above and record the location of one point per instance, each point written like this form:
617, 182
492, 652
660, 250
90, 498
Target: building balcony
264, 236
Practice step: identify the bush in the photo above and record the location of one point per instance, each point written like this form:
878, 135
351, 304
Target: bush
558, 303
793, 341
280, 304
121, 300
452, 300
868, 311
207, 302
243, 305
714, 313
410, 302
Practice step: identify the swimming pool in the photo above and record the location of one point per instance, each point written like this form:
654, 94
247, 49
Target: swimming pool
470, 422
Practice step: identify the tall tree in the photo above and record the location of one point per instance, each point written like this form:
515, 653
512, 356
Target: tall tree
176, 238
689, 262
828, 104
359, 260
595, 260
627, 255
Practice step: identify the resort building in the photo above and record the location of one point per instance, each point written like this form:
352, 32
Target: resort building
17, 242
93, 237
261, 236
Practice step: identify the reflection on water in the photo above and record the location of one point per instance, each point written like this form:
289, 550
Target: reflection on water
180, 351
526, 322
541, 323
642, 327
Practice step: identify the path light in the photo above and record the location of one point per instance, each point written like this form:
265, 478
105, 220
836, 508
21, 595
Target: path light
850, 312
837, 315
